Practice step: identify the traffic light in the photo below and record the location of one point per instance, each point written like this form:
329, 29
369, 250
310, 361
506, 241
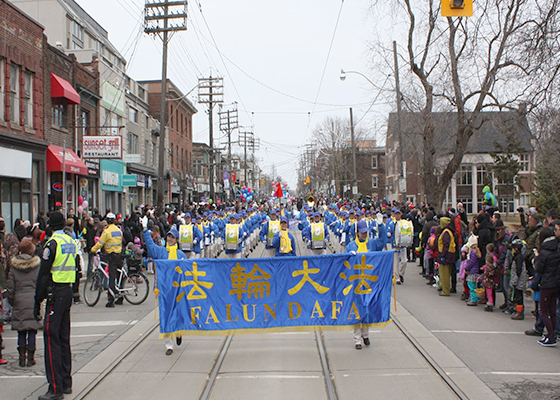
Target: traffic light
457, 8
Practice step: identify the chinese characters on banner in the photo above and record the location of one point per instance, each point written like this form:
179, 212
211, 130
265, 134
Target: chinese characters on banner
331, 292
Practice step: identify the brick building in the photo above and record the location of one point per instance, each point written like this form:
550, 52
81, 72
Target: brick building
22, 141
179, 123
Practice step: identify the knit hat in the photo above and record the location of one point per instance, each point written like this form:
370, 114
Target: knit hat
473, 241
26, 246
444, 221
57, 220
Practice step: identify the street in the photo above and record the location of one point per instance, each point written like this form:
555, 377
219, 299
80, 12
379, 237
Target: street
436, 348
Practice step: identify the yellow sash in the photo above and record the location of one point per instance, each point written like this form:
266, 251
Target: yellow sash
285, 243
362, 246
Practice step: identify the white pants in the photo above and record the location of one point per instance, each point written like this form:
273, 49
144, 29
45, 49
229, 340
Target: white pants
400, 261
360, 333
168, 344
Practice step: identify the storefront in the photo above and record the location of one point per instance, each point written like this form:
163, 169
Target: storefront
89, 185
57, 158
175, 190
111, 185
142, 193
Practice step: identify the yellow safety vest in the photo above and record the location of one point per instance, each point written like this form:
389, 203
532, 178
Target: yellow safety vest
63, 269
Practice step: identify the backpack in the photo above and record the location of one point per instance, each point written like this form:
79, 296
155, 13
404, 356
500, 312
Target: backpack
406, 233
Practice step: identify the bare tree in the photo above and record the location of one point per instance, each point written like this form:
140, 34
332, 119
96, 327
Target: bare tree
507, 54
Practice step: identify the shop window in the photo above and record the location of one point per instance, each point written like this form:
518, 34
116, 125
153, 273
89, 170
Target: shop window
14, 93
15, 204
28, 98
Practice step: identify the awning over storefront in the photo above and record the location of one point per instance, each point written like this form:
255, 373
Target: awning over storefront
74, 165
61, 89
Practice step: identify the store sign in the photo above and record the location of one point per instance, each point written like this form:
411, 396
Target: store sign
102, 147
57, 186
129, 180
110, 178
141, 180
93, 166
132, 158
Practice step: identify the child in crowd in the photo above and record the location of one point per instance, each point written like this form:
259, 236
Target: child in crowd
488, 280
431, 254
471, 269
462, 272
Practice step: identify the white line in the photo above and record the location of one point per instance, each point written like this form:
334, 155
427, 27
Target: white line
476, 332
519, 373
268, 376
75, 336
87, 324
395, 374
22, 377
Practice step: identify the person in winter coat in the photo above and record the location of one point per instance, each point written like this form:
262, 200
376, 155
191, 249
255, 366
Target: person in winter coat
447, 254
518, 280
486, 234
547, 266
22, 281
532, 230
472, 269
89, 235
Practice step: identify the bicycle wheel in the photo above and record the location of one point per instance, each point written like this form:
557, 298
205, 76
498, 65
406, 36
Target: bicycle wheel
136, 288
92, 289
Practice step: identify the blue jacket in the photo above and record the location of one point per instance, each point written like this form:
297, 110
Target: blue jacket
159, 252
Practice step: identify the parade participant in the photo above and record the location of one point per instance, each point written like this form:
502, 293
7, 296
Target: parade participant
200, 226
489, 198
402, 240
362, 245
233, 237
54, 283
268, 230
447, 254
190, 237
317, 235
111, 241
284, 241
171, 251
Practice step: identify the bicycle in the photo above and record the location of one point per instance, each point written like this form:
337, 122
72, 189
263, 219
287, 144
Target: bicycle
134, 287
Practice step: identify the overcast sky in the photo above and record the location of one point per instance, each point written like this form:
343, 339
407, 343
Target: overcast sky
283, 45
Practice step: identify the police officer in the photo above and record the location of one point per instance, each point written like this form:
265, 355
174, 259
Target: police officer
111, 240
56, 276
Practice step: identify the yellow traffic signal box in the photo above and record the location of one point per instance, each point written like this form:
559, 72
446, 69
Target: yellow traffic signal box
457, 8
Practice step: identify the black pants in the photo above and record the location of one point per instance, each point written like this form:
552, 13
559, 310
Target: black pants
58, 358
115, 262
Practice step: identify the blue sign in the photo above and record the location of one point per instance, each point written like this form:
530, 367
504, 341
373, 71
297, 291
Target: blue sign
111, 175
228, 296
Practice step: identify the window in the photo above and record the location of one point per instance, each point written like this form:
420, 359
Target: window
132, 143
133, 115
147, 121
141, 93
464, 176
482, 178
14, 93
77, 31
147, 152
524, 199
524, 161
506, 205
177, 156
58, 118
153, 153
373, 162
84, 122
99, 47
28, 98
374, 181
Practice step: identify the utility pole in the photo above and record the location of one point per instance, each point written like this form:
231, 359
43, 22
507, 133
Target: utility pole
164, 17
229, 121
354, 176
211, 91
402, 186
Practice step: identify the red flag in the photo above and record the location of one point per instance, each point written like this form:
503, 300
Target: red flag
278, 192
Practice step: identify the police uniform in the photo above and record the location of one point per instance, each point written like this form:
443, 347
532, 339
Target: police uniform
111, 240
54, 283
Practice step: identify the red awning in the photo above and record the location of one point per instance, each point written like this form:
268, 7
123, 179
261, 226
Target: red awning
74, 165
61, 89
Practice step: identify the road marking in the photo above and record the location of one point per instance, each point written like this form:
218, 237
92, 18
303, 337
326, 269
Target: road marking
23, 377
394, 374
76, 336
519, 373
269, 376
476, 332
87, 324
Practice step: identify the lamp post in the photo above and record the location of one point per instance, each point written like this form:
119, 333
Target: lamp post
399, 134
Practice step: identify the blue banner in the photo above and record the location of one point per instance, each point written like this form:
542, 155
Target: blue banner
229, 296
